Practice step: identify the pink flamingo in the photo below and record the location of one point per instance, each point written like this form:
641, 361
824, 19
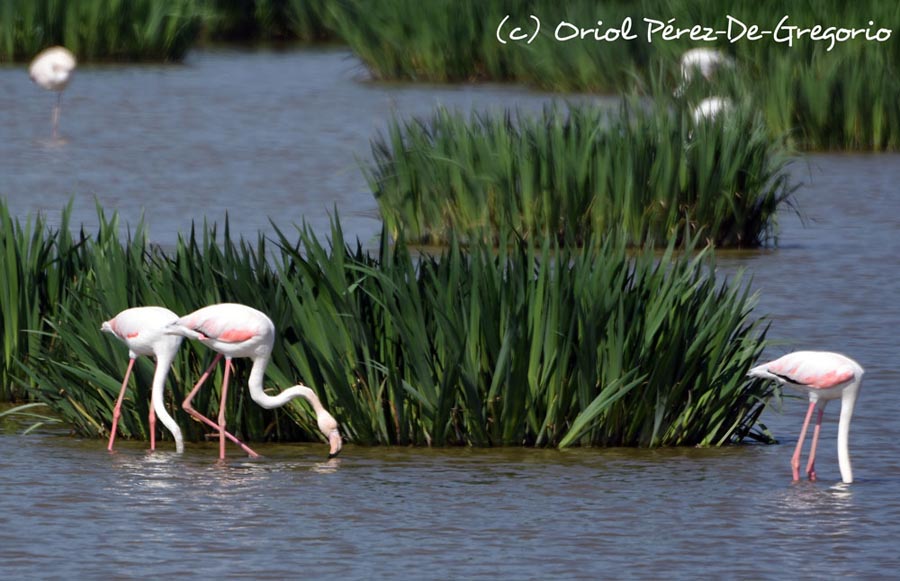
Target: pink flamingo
234, 330
825, 376
143, 330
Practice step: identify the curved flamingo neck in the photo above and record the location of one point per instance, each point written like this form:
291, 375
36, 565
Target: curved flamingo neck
163, 363
848, 401
257, 374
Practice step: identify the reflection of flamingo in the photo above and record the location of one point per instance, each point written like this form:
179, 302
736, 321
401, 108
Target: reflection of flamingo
240, 331
825, 376
710, 108
142, 329
52, 70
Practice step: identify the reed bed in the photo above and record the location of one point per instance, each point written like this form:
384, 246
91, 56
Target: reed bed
41, 266
267, 20
826, 98
568, 173
537, 345
139, 30
99, 29
445, 40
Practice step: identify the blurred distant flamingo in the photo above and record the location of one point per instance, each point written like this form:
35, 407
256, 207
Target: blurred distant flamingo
235, 330
52, 69
824, 376
143, 330
706, 61
710, 108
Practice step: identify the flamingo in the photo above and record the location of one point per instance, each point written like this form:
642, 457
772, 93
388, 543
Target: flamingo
143, 330
52, 69
824, 376
706, 61
710, 108
234, 330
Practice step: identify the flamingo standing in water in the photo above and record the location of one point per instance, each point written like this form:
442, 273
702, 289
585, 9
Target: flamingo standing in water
234, 330
52, 69
824, 376
143, 330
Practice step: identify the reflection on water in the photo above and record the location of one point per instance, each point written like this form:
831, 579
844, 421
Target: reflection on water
184, 142
430, 514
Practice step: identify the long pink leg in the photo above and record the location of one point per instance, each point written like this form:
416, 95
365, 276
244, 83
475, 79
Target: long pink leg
152, 419
118, 409
795, 460
222, 408
811, 465
186, 405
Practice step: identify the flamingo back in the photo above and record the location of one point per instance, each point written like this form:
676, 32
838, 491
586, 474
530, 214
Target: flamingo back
143, 330
816, 370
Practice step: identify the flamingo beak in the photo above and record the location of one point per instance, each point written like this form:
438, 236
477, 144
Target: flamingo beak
335, 442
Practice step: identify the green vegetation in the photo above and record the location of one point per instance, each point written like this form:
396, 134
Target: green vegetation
823, 97
39, 266
567, 174
25, 413
834, 103
139, 30
539, 345
99, 29
267, 20
843, 98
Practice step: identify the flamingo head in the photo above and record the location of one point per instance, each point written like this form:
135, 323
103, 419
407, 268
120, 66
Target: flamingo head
329, 427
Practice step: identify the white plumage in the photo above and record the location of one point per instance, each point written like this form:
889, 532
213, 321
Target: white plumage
824, 376
52, 69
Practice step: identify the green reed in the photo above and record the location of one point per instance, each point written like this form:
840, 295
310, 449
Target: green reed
40, 266
99, 29
539, 345
566, 174
268, 20
843, 98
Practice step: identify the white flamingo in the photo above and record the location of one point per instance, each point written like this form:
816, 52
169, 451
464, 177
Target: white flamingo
824, 376
143, 330
52, 69
710, 108
234, 330
706, 61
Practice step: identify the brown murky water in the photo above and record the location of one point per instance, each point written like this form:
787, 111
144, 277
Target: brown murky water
180, 143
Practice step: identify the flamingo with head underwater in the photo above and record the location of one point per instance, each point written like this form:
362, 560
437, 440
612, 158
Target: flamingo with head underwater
52, 69
234, 330
824, 376
143, 330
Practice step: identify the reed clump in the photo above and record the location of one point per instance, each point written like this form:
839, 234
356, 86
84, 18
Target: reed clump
566, 174
542, 345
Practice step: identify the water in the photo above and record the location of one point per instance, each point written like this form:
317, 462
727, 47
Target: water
180, 143
259, 135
